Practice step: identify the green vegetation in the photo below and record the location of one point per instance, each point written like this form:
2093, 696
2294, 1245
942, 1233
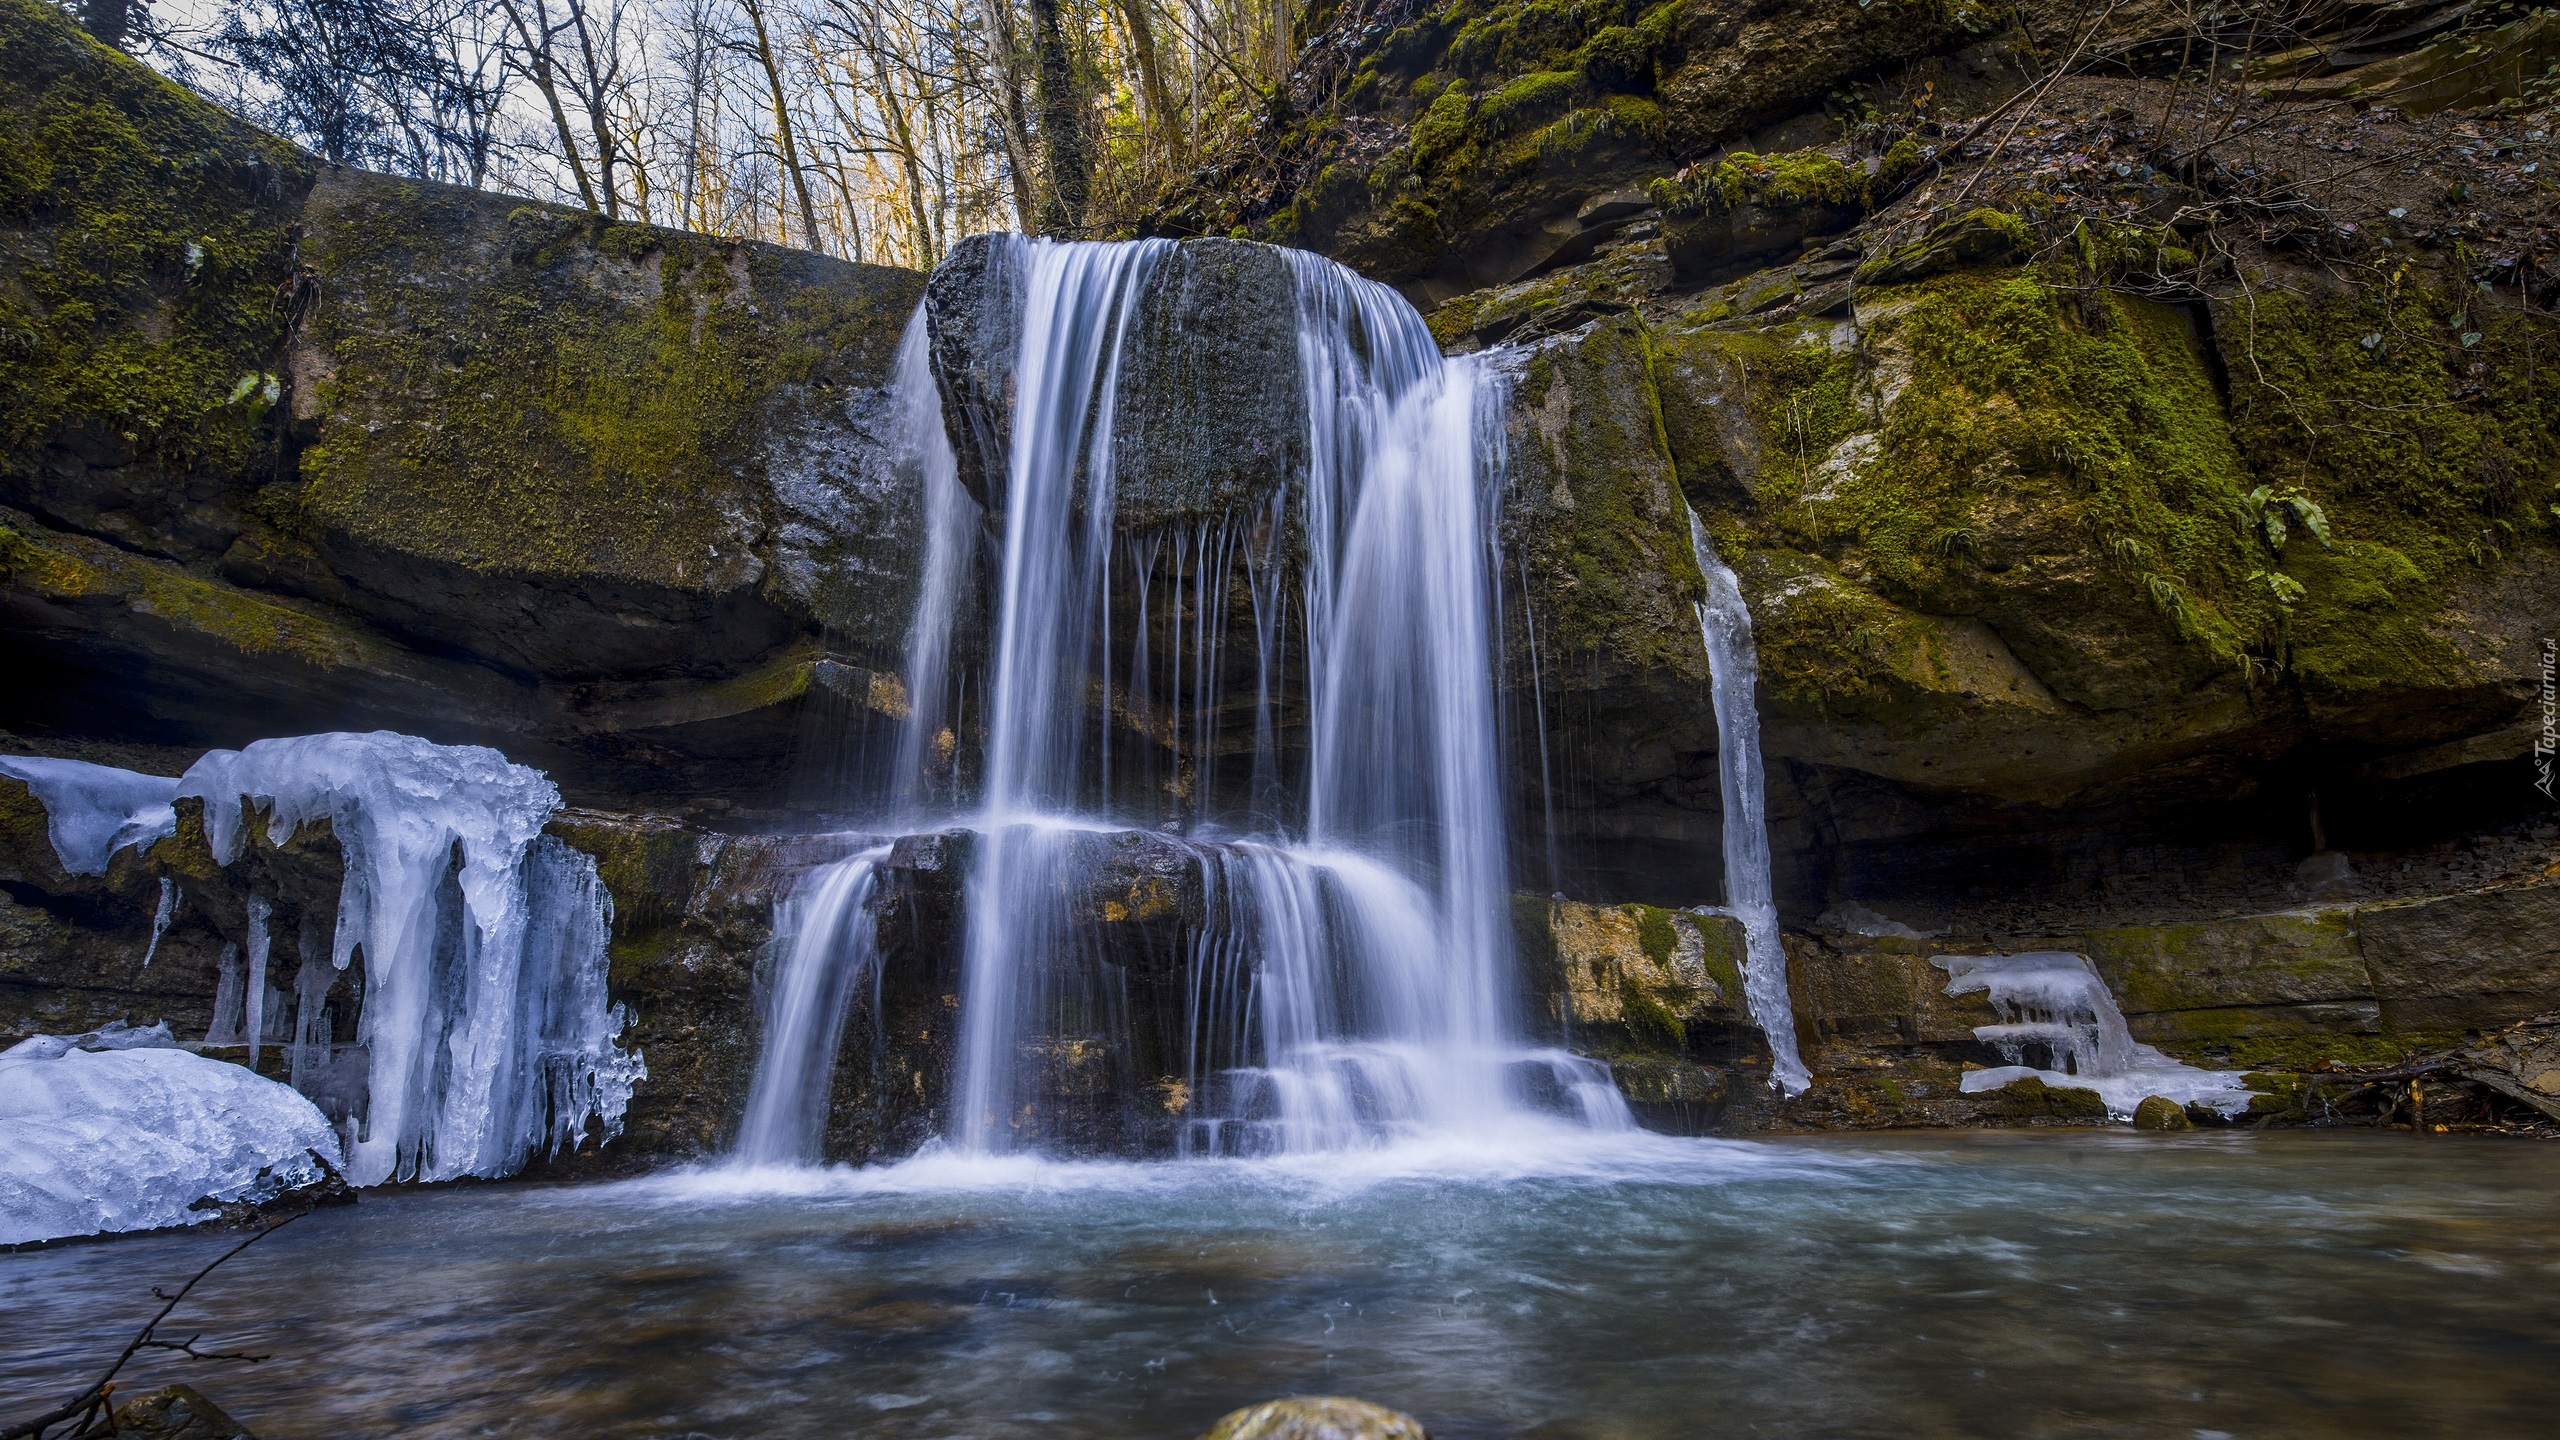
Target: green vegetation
586, 403
1803, 177
155, 237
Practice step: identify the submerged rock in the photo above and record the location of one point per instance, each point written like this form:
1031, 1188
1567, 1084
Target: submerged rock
1316, 1417
177, 1412
2159, 1112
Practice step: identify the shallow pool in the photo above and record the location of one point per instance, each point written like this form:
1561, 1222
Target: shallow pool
1984, 1285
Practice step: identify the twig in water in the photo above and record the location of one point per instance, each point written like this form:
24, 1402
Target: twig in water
87, 1406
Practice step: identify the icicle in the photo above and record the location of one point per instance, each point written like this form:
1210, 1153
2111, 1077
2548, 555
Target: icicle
484, 944
254, 1025
160, 918
92, 811
229, 990
2055, 1000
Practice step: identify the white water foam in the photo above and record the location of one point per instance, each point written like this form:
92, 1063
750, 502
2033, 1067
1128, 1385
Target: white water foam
2054, 1000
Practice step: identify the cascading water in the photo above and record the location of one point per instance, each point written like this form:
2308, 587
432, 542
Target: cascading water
1733, 665
833, 948
1353, 984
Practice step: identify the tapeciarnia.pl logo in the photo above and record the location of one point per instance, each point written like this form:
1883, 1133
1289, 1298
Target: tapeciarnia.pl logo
2548, 742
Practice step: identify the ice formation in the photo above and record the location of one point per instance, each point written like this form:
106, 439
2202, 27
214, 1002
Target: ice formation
92, 811
122, 1130
485, 1021
2054, 1000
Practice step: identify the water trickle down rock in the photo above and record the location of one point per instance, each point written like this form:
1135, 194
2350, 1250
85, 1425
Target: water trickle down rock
1724, 621
1359, 931
2053, 1000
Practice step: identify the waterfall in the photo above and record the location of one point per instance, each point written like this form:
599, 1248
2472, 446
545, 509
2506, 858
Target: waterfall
831, 947
2054, 1000
950, 517
1354, 982
1733, 665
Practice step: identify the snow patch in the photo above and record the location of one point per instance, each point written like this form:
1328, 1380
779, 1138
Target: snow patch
130, 1132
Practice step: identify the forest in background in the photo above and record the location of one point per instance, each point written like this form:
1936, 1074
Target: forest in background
878, 130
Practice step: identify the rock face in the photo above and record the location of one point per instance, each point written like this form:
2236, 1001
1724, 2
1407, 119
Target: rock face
1211, 402
347, 451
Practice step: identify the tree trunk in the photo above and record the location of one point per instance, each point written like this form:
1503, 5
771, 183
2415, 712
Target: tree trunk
1142, 48
782, 126
920, 220
1016, 128
538, 66
1061, 126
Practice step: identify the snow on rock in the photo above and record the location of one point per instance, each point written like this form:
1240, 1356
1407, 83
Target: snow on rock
92, 811
485, 1018
130, 1136
2054, 1000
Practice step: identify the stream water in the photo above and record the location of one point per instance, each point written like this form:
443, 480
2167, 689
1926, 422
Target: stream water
1984, 1285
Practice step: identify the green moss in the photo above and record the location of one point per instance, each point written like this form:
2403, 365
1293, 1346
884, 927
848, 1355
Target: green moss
1442, 126
1528, 101
1802, 177
587, 402
1654, 933
1616, 559
155, 233
1648, 1020
646, 866
2431, 458
2011, 399
72, 567
1617, 57
2293, 1055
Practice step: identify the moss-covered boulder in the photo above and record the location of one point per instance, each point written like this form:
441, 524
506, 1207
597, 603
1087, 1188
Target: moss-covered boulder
1735, 215
286, 450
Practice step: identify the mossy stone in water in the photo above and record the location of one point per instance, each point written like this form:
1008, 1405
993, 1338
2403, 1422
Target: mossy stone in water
1316, 1417
2159, 1112
177, 1412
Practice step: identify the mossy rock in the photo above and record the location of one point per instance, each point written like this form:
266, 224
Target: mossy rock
2032, 1101
1981, 237
2158, 1112
150, 231
528, 390
1747, 208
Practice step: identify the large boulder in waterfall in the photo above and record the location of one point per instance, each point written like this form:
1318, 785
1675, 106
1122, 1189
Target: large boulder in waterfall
1316, 1417
1210, 398
328, 448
